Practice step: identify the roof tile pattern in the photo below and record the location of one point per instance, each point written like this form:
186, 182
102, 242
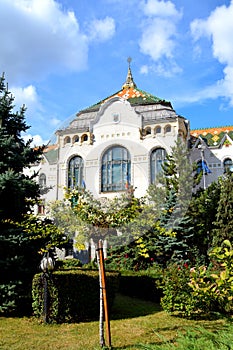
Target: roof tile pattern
213, 136
135, 97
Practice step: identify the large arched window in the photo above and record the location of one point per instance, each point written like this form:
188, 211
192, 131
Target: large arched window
227, 164
75, 172
158, 157
116, 169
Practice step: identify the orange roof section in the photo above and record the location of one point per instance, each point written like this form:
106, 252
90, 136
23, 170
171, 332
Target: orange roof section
131, 92
50, 147
213, 131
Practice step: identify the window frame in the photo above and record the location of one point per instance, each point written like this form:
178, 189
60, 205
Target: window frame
227, 166
115, 169
75, 172
156, 164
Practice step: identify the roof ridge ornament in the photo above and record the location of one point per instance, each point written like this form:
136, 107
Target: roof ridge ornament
129, 83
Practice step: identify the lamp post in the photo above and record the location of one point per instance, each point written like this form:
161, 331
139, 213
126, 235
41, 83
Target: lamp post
46, 265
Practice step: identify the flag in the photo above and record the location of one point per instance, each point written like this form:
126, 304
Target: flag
205, 168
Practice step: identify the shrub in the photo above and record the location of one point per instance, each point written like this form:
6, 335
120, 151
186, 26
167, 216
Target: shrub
214, 285
141, 285
177, 294
73, 295
67, 264
201, 289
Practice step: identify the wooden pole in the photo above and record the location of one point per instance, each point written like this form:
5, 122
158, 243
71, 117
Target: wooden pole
103, 280
101, 315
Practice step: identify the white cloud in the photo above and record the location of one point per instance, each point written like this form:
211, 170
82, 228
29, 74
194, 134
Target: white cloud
36, 140
102, 30
218, 27
26, 96
160, 9
38, 38
159, 32
55, 121
165, 68
157, 39
144, 69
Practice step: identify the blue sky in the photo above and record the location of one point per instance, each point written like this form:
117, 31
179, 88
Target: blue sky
62, 56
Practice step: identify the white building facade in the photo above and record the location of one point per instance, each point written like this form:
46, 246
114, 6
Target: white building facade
122, 141
119, 142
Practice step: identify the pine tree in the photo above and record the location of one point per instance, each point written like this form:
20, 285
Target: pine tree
16, 189
224, 218
162, 231
17, 192
178, 179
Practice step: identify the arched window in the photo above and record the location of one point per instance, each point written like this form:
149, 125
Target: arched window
75, 172
168, 128
66, 140
227, 164
115, 169
84, 137
158, 157
148, 130
158, 130
42, 180
75, 138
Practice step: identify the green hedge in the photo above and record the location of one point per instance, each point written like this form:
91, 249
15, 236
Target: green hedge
73, 295
140, 286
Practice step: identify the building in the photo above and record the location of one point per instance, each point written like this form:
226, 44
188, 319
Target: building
122, 141
214, 146
119, 142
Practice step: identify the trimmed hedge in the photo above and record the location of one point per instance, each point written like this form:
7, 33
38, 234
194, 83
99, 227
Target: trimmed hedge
140, 286
73, 295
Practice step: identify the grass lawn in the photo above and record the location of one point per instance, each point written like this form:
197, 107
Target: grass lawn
135, 324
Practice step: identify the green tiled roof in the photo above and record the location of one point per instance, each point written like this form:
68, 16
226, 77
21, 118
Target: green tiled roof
135, 97
51, 156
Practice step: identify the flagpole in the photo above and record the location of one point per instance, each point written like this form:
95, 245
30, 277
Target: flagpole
202, 162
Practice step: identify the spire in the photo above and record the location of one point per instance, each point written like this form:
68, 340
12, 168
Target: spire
129, 79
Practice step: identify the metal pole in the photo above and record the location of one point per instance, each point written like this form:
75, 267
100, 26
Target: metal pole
103, 279
203, 170
45, 282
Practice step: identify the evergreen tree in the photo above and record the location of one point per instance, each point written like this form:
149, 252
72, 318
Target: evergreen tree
224, 218
17, 193
162, 231
178, 179
202, 212
16, 188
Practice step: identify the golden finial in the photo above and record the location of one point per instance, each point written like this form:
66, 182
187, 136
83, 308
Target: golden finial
129, 79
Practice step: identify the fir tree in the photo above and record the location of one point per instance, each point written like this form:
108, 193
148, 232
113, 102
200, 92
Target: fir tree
16, 188
179, 182
162, 231
17, 192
